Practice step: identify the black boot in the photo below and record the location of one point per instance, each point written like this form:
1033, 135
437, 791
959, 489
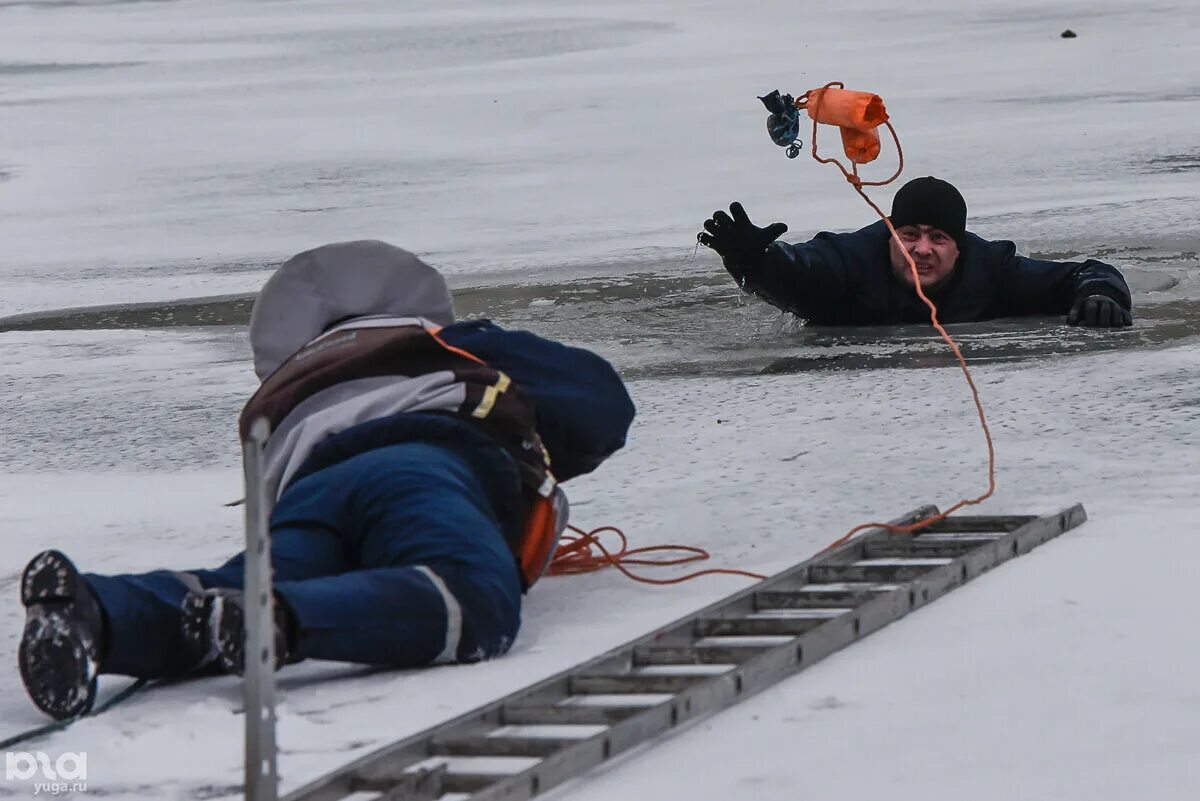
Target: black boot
59, 655
196, 610
216, 621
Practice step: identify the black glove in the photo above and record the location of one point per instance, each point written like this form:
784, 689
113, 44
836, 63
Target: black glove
1098, 311
738, 241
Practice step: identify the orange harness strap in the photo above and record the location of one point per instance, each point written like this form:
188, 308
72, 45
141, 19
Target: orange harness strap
538, 543
541, 525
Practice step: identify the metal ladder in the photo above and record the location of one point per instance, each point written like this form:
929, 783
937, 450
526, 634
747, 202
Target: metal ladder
527, 742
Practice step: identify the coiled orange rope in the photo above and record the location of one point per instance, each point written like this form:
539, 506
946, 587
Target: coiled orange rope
582, 552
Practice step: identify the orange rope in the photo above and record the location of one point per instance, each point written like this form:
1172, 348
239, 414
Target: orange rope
584, 553
434, 332
858, 184
576, 555
852, 174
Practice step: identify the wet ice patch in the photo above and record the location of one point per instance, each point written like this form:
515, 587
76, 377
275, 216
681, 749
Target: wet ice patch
34, 68
1173, 163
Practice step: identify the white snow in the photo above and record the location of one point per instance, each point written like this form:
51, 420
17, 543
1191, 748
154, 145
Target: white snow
243, 132
1070, 662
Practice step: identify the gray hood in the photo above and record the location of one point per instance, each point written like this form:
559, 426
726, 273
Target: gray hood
333, 282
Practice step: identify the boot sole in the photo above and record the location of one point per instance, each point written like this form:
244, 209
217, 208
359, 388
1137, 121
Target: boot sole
49, 577
197, 625
229, 628
218, 624
56, 657
213, 627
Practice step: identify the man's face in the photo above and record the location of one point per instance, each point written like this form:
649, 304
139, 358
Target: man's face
934, 251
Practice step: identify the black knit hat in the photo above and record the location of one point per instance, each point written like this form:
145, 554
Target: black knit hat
931, 201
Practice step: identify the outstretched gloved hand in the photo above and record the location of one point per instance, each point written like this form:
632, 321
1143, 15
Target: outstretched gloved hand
1098, 311
738, 241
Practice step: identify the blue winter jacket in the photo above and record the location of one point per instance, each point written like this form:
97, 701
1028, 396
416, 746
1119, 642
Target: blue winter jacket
847, 279
583, 414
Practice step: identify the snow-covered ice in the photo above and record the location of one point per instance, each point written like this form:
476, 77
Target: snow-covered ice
1070, 661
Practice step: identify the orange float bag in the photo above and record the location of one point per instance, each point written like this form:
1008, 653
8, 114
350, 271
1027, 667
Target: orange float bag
861, 147
858, 114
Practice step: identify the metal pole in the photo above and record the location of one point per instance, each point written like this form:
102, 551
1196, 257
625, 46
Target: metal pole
262, 776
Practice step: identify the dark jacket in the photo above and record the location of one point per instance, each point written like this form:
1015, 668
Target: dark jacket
357, 349
583, 410
583, 415
847, 279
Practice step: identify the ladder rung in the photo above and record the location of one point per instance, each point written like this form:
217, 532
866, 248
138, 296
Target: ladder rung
980, 523
756, 626
419, 784
832, 599
502, 746
880, 573
632, 683
573, 715
916, 549
699, 655
470, 782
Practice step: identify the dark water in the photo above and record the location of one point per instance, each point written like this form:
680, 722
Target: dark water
664, 325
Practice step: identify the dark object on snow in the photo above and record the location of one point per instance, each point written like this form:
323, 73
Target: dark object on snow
1069, 34
215, 620
60, 649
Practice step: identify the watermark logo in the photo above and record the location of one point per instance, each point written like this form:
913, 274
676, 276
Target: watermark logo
66, 773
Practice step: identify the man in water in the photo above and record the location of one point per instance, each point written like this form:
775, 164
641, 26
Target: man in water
863, 278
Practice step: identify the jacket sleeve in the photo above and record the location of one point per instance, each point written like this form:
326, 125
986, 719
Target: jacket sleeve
584, 412
807, 279
1036, 286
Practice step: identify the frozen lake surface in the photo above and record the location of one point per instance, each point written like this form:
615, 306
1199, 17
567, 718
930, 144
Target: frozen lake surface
158, 158
158, 150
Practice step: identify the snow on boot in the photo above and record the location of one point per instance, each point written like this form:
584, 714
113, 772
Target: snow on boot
59, 653
196, 611
221, 615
